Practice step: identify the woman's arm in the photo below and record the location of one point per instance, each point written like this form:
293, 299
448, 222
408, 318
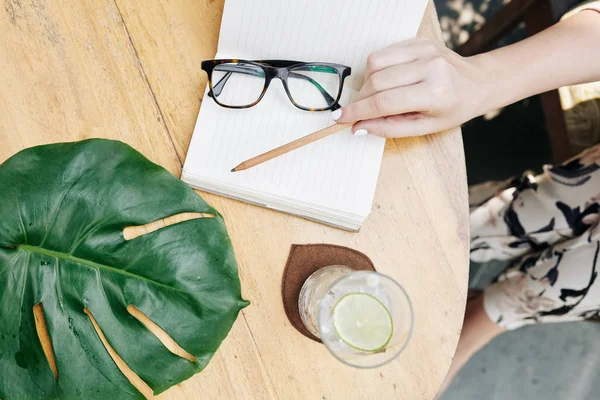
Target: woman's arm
418, 86
565, 54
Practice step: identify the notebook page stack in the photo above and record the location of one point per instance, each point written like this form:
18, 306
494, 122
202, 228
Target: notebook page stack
332, 180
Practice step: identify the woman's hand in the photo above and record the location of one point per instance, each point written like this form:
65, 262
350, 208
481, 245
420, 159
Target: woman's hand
417, 87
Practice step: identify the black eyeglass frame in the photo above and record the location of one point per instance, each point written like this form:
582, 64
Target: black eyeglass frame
280, 69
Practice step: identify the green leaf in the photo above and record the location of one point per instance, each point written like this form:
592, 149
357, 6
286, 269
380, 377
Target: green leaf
63, 210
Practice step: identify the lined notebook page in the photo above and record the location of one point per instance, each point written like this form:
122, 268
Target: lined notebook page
337, 173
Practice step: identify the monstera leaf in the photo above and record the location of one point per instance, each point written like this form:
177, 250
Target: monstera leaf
116, 280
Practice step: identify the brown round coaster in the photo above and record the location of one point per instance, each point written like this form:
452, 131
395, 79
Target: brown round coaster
302, 262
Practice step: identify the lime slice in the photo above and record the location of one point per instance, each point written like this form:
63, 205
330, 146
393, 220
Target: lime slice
362, 322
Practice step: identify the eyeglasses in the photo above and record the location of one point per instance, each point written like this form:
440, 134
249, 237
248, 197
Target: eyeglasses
309, 86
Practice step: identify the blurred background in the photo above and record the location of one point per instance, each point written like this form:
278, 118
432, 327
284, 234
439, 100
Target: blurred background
553, 361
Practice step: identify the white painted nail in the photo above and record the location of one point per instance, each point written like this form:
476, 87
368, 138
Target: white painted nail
360, 132
335, 115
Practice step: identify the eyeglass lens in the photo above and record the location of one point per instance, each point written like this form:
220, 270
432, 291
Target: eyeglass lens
237, 84
313, 86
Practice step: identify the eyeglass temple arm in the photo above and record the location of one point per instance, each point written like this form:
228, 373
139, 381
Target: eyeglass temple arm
218, 88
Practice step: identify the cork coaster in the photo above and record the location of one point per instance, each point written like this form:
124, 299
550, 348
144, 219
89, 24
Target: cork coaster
306, 259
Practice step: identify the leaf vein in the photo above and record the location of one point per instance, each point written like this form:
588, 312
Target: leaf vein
92, 264
59, 291
88, 232
12, 260
21, 220
56, 209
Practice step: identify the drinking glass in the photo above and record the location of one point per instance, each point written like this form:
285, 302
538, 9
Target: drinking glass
325, 289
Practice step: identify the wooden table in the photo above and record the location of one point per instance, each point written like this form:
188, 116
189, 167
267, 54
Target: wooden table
130, 70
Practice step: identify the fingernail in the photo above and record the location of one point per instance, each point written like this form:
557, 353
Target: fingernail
335, 115
360, 132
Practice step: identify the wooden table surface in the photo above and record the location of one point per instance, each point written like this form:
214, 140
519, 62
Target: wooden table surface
130, 70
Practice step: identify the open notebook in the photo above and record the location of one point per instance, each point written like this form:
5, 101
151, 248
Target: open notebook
332, 180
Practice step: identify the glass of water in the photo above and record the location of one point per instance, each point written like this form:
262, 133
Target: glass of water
363, 317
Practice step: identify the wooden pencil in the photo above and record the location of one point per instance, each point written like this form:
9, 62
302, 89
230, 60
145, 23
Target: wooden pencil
286, 148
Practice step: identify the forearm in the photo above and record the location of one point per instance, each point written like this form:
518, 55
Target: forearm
417, 87
567, 53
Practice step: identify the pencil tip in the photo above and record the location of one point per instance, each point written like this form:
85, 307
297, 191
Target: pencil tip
232, 169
